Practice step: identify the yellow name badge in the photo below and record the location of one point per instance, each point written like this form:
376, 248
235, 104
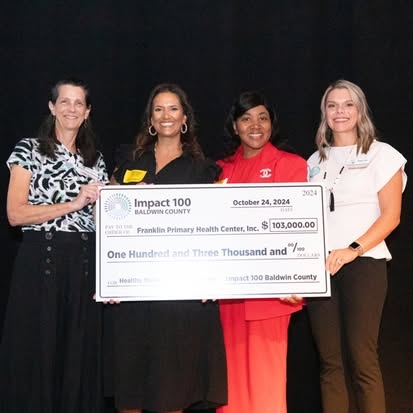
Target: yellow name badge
133, 175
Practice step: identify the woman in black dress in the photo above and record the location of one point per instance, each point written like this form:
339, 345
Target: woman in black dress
168, 355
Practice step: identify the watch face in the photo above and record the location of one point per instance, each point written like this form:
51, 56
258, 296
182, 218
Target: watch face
354, 245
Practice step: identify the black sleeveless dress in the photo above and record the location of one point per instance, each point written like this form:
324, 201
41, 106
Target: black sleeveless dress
168, 355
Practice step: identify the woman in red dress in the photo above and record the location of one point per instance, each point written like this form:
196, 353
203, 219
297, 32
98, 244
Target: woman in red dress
256, 330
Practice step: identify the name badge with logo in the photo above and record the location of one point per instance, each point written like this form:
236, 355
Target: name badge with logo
360, 162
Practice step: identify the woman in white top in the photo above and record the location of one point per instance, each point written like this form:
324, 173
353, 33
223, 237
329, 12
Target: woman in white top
365, 179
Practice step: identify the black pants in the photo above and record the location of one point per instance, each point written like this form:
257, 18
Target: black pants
346, 328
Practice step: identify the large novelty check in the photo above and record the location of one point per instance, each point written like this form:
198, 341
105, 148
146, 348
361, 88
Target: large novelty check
162, 242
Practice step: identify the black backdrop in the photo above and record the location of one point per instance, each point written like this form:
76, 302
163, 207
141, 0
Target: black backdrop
289, 49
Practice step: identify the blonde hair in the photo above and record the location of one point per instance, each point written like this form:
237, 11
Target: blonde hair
366, 131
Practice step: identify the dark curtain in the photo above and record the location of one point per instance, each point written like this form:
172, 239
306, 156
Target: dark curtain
288, 49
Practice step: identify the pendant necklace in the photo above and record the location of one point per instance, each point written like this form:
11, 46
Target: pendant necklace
337, 178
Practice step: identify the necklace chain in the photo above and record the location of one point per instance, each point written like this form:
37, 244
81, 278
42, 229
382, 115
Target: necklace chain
337, 178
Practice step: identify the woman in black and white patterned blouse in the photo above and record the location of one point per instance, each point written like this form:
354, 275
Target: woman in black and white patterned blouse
50, 349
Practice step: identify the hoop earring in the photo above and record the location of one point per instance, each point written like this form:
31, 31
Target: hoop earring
152, 133
184, 129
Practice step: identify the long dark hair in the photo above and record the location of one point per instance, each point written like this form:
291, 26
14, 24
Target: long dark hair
190, 144
85, 139
244, 102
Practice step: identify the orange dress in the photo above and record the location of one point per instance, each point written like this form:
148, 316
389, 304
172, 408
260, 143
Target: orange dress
256, 330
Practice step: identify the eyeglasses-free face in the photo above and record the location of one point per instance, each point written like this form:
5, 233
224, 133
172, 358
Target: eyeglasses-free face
341, 111
254, 129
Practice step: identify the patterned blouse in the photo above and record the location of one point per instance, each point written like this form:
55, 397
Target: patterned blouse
58, 181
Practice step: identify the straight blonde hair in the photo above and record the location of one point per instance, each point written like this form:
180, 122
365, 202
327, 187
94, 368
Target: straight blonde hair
366, 131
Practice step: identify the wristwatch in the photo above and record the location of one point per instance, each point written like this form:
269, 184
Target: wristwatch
355, 246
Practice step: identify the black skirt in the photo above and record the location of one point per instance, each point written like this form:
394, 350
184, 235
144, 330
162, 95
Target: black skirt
50, 354
168, 355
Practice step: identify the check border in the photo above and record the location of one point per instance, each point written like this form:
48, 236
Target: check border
146, 250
